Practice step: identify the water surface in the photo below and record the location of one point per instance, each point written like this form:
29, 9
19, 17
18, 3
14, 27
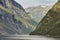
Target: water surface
26, 37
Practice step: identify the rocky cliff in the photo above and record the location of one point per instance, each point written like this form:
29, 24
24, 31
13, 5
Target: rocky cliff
13, 19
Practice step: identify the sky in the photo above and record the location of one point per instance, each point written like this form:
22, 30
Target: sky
31, 3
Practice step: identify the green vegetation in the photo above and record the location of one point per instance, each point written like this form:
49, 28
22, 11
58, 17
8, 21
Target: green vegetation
18, 18
5, 9
24, 22
50, 24
25, 16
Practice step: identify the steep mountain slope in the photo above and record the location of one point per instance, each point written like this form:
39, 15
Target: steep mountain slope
38, 12
13, 19
50, 24
9, 3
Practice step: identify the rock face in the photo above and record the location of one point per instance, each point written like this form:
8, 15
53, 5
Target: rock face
50, 24
9, 3
13, 19
38, 12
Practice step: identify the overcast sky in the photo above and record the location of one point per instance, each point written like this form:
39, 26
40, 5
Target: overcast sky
30, 3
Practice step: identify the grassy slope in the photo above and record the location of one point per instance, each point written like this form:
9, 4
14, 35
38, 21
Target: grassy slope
50, 24
18, 18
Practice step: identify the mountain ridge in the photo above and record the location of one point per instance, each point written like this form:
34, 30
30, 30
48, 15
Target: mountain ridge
50, 24
14, 20
38, 12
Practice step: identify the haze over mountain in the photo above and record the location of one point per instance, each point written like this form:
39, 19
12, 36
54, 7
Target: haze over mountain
38, 12
50, 24
14, 19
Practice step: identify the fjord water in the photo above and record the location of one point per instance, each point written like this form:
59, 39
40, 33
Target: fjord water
26, 37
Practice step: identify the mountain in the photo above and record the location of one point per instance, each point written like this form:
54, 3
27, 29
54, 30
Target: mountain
38, 12
50, 24
14, 19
